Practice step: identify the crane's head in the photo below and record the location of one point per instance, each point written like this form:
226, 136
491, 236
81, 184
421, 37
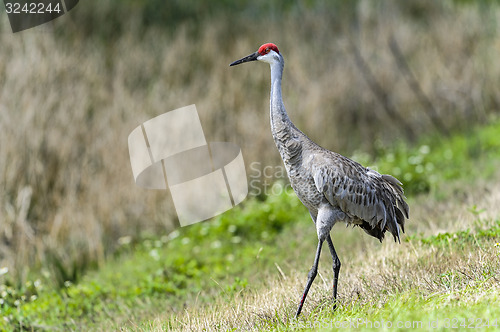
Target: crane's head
268, 53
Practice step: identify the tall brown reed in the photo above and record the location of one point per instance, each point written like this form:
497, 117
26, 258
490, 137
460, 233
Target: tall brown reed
67, 106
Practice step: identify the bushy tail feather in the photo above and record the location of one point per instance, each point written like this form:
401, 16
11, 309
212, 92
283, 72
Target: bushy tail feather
397, 211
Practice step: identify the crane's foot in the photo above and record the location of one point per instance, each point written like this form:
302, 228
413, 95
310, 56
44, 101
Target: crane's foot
310, 278
334, 304
298, 312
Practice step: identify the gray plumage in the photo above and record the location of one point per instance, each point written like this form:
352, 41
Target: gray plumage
334, 188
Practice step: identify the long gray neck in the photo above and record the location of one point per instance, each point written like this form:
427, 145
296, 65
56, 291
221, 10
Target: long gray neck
280, 122
284, 132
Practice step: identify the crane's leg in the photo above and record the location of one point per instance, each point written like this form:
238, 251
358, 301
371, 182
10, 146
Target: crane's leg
336, 269
310, 277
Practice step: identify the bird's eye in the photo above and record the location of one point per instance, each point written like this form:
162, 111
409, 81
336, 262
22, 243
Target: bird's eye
267, 50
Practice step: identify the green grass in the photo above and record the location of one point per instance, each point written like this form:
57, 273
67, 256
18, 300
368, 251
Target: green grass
410, 310
463, 300
446, 287
222, 258
435, 160
67, 197
461, 239
171, 269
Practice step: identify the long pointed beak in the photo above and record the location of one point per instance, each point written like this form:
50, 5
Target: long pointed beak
251, 57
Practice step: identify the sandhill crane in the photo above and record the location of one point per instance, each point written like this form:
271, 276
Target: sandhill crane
334, 188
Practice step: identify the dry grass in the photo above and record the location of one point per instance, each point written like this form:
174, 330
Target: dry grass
462, 207
67, 107
390, 273
371, 275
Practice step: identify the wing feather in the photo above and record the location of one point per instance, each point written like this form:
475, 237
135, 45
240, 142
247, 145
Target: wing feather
364, 194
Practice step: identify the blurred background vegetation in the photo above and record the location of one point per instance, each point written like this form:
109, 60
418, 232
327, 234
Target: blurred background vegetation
360, 76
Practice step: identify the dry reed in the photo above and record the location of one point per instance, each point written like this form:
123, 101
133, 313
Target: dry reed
68, 105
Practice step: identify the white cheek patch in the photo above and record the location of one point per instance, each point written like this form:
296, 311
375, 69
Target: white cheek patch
269, 57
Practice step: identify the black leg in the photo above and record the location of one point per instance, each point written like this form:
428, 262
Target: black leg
310, 277
336, 269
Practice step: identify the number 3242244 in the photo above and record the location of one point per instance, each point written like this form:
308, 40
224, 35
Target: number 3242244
32, 8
